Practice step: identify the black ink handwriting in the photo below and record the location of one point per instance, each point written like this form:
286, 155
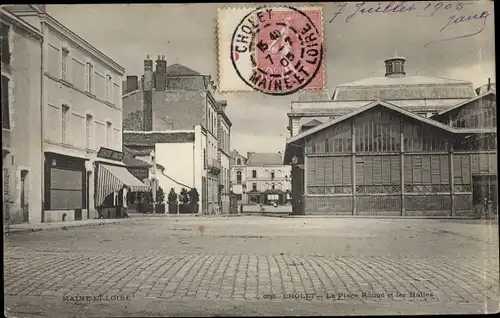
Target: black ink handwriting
363, 7
461, 19
427, 9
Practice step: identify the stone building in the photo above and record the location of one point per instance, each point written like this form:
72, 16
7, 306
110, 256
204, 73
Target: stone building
394, 145
267, 178
22, 163
173, 99
239, 176
72, 93
182, 170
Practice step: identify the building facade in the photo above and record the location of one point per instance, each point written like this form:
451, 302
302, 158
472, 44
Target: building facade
432, 153
186, 169
239, 176
268, 180
176, 98
422, 95
82, 113
22, 163
224, 156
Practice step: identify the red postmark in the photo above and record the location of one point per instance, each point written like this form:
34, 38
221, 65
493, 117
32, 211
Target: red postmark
297, 21
283, 47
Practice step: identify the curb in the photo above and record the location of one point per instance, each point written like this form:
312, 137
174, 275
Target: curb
115, 221
60, 227
369, 217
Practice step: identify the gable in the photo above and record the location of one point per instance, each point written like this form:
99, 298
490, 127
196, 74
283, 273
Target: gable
365, 108
477, 113
378, 130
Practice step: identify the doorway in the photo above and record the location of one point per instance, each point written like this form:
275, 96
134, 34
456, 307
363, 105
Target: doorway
25, 195
298, 190
484, 187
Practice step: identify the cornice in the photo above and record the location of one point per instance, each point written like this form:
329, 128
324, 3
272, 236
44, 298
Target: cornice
59, 27
11, 18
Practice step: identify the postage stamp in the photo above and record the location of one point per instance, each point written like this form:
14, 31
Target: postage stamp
274, 50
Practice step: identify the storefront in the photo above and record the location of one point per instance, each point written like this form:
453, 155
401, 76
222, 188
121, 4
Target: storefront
65, 188
111, 177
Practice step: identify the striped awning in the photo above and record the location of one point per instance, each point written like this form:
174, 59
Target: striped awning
112, 178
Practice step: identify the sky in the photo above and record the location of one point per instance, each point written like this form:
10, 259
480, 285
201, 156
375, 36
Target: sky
356, 42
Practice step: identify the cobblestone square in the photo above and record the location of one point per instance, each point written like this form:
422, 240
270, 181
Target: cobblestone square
257, 265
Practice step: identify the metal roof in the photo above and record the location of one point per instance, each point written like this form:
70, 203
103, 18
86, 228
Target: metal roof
403, 87
363, 109
466, 102
403, 80
265, 159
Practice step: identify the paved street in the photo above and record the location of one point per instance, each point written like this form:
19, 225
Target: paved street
254, 266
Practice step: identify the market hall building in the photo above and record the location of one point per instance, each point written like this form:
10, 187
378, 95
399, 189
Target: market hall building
394, 145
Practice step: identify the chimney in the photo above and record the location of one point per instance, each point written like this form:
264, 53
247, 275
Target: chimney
248, 154
489, 83
395, 67
132, 83
147, 105
161, 73
148, 74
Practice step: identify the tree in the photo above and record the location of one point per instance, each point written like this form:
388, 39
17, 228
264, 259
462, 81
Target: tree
183, 197
194, 196
160, 195
172, 196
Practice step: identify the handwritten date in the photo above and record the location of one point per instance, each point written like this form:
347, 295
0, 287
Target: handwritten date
434, 7
454, 10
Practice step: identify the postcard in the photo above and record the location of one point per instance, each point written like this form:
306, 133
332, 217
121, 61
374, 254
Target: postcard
249, 159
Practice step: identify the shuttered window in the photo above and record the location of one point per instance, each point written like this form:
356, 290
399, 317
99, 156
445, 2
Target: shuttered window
5, 103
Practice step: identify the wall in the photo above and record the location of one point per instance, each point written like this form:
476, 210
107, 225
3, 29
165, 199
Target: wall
390, 169
481, 113
25, 129
100, 100
225, 181
199, 171
263, 179
172, 110
183, 109
74, 93
179, 166
239, 189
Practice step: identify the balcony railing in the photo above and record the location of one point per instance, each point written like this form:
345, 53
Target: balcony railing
214, 166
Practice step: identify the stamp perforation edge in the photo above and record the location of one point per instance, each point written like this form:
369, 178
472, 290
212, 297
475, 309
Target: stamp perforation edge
218, 41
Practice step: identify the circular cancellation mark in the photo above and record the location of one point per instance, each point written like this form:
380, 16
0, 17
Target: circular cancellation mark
277, 51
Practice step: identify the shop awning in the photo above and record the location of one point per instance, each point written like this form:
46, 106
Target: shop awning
112, 178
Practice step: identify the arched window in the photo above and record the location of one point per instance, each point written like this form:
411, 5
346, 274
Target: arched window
238, 177
272, 175
272, 186
238, 162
